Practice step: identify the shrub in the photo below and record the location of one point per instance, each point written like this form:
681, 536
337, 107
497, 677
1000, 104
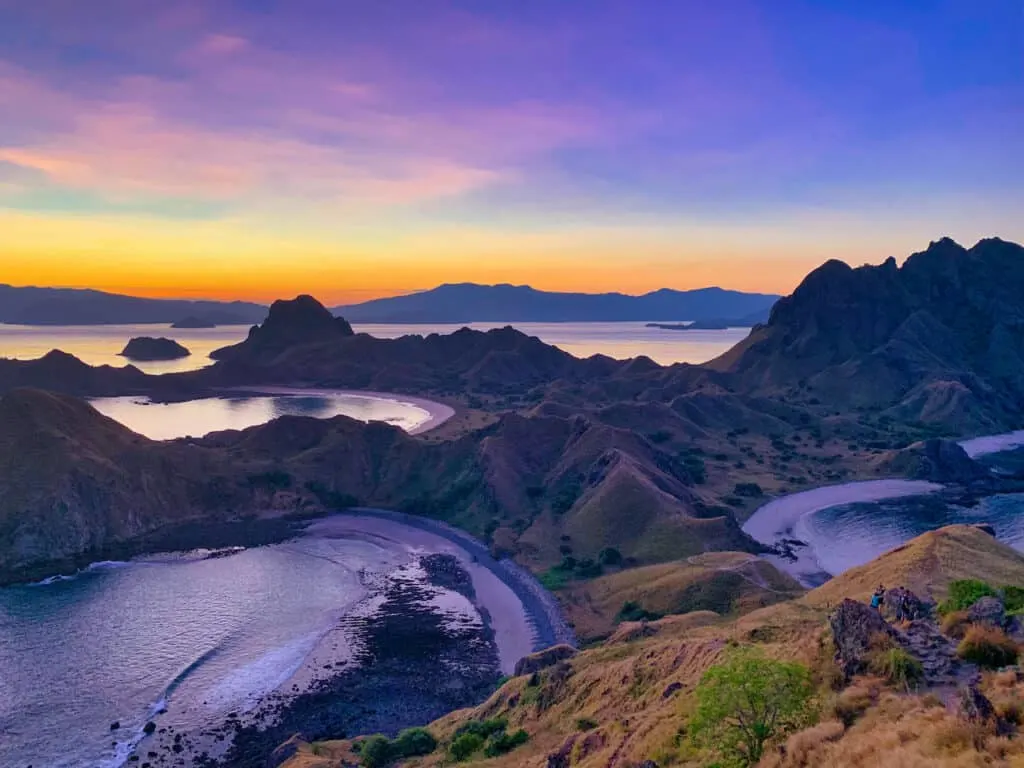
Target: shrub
963, 594
955, 624
586, 724
1013, 600
897, 666
502, 743
987, 647
660, 436
752, 490
413, 742
376, 752
465, 746
631, 611
610, 556
482, 728
747, 702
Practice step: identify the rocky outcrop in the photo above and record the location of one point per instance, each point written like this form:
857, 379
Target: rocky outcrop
939, 461
148, 348
544, 659
902, 604
988, 610
298, 322
285, 752
855, 627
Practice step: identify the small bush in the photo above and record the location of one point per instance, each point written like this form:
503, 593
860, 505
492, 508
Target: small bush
502, 743
376, 752
586, 724
483, 728
987, 647
465, 746
610, 556
897, 666
413, 742
1013, 600
752, 490
955, 624
963, 594
631, 611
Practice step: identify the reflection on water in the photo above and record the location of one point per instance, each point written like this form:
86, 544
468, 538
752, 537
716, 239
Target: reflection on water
195, 418
99, 344
851, 535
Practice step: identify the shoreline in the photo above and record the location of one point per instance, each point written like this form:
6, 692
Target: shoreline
437, 413
781, 523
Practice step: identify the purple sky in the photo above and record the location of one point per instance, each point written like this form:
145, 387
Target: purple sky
374, 147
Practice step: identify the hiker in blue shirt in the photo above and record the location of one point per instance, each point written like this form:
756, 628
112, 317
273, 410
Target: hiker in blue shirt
878, 598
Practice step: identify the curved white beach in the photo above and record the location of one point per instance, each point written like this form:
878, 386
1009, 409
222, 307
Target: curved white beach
435, 413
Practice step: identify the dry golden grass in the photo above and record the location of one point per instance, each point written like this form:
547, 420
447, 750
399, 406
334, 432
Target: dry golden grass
728, 583
926, 565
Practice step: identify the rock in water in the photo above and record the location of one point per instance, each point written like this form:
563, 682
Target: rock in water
853, 627
543, 659
148, 348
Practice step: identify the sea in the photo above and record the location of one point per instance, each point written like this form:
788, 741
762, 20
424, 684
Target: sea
180, 640
100, 344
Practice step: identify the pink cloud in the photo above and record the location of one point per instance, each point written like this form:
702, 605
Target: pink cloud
222, 45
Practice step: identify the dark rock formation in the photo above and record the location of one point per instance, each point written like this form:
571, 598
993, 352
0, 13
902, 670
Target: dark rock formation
543, 659
903, 604
145, 348
854, 625
988, 610
937, 339
939, 461
298, 322
974, 707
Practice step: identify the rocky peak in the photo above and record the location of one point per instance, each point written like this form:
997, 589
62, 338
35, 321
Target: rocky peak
289, 322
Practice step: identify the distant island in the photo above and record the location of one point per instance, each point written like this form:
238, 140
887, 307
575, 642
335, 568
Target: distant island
147, 348
469, 302
194, 322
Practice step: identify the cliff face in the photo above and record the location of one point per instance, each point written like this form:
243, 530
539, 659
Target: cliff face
940, 339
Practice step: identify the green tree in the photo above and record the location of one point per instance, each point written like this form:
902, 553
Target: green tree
747, 702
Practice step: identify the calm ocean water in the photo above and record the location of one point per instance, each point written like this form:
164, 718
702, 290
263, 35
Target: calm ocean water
195, 418
99, 345
847, 536
201, 638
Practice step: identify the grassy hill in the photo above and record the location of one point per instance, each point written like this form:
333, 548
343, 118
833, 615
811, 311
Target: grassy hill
629, 699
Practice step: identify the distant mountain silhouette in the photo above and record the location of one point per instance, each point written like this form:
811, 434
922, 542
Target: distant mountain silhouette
72, 306
469, 302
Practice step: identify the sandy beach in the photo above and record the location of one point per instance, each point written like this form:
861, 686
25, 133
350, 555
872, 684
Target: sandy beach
987, 444
515, 630
780, 519
435, 414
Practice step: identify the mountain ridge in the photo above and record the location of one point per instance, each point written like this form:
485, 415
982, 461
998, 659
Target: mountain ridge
504, 302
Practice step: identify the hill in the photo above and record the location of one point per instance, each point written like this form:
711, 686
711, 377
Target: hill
938, 339
72, 306
629, 701
78, 484
927, 564
469, 302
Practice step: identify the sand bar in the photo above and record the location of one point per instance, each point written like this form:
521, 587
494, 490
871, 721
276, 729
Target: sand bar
436, 413
982, 446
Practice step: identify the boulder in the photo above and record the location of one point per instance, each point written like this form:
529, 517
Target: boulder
535, 662
854, 625
988, 610
904, 604
563, 757
974, 707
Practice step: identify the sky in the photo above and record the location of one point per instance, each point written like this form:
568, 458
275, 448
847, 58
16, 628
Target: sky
354, 149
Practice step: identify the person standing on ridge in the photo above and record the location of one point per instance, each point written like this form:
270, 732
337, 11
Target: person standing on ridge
878, 597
